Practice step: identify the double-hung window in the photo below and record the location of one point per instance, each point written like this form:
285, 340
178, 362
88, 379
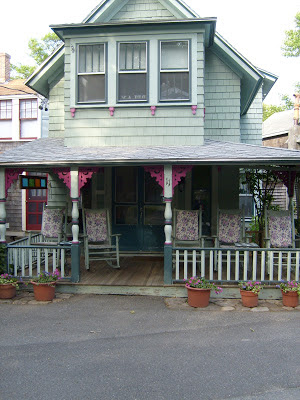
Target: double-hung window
5, 109
174, 70
28, 109
132, 72
91, 73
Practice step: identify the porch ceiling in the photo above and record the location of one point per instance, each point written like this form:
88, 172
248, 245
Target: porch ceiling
52, 152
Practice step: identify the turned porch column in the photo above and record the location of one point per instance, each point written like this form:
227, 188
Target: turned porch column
168, 193
2, 207
75, 247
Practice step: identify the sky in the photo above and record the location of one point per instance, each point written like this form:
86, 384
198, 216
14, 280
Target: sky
256, 29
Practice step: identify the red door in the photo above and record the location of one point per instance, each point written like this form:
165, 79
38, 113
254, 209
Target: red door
34, 206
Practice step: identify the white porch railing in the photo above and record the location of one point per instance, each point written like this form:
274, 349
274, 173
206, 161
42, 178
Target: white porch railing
29, 259
234, 264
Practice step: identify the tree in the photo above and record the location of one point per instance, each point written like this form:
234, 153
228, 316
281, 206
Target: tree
291, 44
261, 184
39, 51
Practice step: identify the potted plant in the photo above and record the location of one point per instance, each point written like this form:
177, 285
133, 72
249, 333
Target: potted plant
199, 291
8, 286
290, 293
44, 285
249, 292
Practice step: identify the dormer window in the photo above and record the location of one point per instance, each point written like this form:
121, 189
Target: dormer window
132, 72
91, 73
174, 70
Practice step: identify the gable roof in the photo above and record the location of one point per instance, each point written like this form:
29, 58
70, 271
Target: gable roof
15, 87
278, 124
252, 78
107, 9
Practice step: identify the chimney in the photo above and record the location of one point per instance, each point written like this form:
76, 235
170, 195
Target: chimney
4, 67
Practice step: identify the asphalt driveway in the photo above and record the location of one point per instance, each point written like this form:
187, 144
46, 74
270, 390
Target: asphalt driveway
132, 347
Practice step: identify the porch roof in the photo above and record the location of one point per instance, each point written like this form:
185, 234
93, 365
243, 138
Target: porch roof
52, 152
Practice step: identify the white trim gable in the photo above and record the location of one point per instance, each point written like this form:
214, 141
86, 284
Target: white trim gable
108, 9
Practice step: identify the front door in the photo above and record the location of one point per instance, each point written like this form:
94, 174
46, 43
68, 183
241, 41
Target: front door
35, 198
138, 210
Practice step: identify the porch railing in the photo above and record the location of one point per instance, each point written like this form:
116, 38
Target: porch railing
27, 258
234, 264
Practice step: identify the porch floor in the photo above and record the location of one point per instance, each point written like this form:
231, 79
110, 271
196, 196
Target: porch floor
134, 271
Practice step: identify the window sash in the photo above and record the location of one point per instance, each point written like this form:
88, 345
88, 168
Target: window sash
132, 71
91, 59
28, 109
173, 57
132, 57
91, 71
6, 109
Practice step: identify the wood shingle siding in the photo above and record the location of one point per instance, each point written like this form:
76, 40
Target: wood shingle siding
251, 123
222, 100
56, 110
142, 9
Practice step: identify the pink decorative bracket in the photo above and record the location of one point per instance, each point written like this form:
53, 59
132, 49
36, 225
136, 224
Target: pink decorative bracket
72, 110
11, 175
157, 172
153, 109
84, 174
111, 110
204, 114
63, 174
179, 172
194, 109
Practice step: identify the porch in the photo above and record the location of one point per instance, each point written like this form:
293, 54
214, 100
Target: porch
145, 274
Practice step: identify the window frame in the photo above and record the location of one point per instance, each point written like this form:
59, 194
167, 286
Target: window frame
32, 109
169, 70
91, 73
8, 101
145, 72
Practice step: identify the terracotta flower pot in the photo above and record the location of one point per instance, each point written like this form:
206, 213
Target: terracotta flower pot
290, 299
7, 291
44, 291
198, 297
249, 299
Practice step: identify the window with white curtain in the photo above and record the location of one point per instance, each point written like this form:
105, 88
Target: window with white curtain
5, 109
91, 73
28, 109
132, 72
174, 70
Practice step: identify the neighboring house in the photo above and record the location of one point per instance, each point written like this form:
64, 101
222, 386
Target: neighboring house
20, 122
282, 129
156, 111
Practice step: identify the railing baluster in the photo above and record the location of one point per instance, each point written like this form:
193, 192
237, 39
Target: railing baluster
228, 264
211, 265
62, 265
271, 265
46, 253
297, 266
254, 264
202, 263
194, 263
30, 262
185, 264
237, 265
245, 265
23, 262
220, 265
289, 266
38, 265
280, 265
177, 265
263, 266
